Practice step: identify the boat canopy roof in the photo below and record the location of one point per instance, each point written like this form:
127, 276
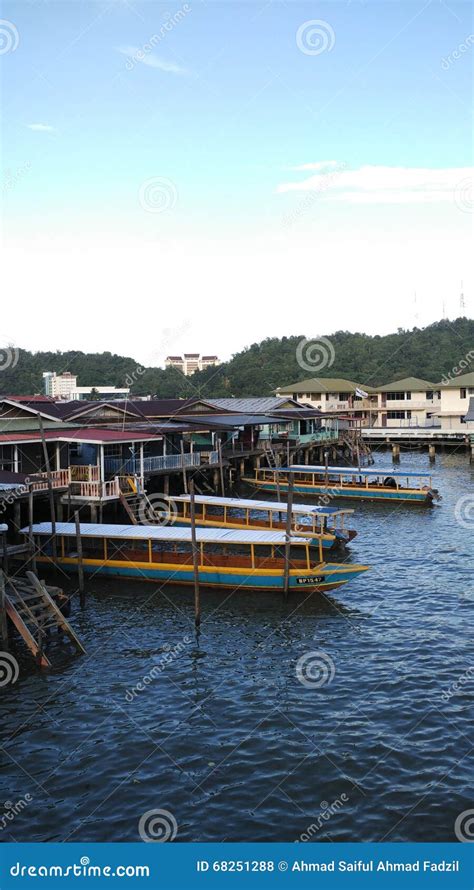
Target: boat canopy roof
163, 533
351, 471
247, 503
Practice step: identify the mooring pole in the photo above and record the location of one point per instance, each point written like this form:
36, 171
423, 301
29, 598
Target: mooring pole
221, 470
50, 489
194, 547
185, 479
3, 612
289, 517
80, 564
30, 529
4, 529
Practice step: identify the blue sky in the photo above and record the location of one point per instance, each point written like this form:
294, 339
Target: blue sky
218, 115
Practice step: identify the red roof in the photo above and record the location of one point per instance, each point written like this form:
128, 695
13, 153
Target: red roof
83, 434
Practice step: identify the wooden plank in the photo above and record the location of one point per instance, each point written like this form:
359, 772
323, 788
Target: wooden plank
61, 620
27, 635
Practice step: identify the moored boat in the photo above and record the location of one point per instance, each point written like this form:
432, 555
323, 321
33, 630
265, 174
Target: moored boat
348, 482
324, 525
227, 559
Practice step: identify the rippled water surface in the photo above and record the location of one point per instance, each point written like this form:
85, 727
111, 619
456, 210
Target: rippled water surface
227, 739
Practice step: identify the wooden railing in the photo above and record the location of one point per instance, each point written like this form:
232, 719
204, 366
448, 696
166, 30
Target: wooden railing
84, 473
59, 479
96, 490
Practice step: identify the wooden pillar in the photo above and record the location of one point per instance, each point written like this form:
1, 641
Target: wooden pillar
166, 485
17, 518
58, 456
395, 452
289, 517
195, 550
242, 468
215, 479
432, 452
30, 525
52, 507
16, 459
80, 566
3, 613
93, 512
102, 463
142, 462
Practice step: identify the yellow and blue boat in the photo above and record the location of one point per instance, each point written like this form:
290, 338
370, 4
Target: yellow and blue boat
348, 482
227, 559
326, 526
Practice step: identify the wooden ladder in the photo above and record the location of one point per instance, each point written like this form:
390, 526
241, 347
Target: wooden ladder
34, 614
139, 508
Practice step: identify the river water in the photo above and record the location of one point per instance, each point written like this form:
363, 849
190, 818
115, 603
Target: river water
342, 718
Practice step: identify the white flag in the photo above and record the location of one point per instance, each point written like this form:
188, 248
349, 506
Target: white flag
361, 393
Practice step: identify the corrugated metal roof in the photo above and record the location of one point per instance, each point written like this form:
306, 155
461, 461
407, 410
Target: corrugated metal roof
325, 384
349, 471
247, 503
254, 405
410, 383
163, 533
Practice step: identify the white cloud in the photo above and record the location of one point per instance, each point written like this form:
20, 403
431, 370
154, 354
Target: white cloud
382, 185
318, 165
136, 54
41, 128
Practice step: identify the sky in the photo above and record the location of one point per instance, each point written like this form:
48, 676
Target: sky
199, 176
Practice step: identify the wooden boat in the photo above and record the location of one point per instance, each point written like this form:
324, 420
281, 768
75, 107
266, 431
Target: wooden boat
324, 525
248, 560
348, 482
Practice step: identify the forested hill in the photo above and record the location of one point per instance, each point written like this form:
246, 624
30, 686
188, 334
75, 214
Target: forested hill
259, 369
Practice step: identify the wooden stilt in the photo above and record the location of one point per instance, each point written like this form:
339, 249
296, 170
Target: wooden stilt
185, 479
80, 564
195, 549
289, 517
3, 612
221, 470
52, 509
30, 530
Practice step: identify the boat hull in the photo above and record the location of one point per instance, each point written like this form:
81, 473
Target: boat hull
321, 578
412, 496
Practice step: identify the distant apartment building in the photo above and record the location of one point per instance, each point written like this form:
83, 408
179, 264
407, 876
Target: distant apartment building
191, 362
410, 402
455, 401
64, 386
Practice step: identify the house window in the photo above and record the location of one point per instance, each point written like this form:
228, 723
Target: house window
430, 395
463, 393
396, 396
398, 415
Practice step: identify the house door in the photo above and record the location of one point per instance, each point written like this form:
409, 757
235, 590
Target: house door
384, 420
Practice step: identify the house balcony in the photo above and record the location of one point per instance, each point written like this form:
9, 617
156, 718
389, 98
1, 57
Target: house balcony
134, 467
